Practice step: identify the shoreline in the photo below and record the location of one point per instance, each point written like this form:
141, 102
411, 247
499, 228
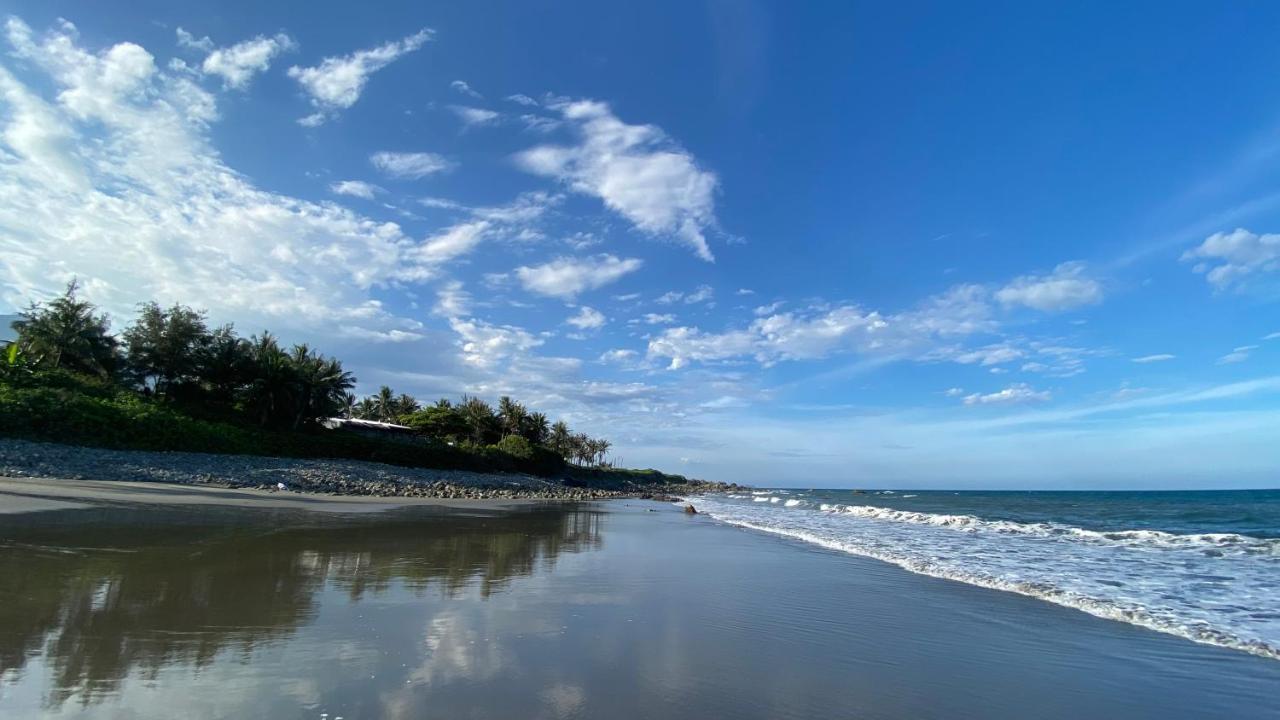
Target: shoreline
52, 465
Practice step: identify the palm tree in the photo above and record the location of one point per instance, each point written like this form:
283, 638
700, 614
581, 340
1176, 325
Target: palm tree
349, 405
536, 428
272, 380
561, 440
480, 419
600, 446
65, 333
582, 448
366, 409
406, 405
320, 385
384, 404
512, 415
225, 364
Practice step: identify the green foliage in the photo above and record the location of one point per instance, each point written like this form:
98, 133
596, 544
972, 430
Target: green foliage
65, 333
516, 446
180, 386
441, 420
167, 347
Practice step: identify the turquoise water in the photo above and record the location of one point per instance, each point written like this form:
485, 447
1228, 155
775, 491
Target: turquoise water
1201, 565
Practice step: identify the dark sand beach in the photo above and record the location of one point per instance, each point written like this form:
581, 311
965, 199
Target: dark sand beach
619, 609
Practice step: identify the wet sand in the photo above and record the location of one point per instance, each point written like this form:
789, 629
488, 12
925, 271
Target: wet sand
621, 609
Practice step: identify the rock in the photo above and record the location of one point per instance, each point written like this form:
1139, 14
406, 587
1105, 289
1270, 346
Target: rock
689, 509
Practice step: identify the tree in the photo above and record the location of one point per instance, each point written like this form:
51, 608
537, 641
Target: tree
320, 385
166, 347
441, 420
226, 364
536, 428
384, 404
269, 391
561, 440
348, 405
512, 415
483, 425
65, 333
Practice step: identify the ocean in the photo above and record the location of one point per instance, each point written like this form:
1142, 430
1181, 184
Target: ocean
1200, 565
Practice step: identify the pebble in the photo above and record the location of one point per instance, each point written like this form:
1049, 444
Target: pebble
22, 458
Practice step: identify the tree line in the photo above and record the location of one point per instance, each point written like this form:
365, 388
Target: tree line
173, 356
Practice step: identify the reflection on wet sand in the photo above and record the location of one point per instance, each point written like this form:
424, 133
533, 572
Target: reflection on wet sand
132, 593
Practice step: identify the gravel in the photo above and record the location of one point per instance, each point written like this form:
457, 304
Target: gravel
22, 458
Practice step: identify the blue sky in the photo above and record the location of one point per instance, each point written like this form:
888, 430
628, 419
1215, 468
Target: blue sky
846, 245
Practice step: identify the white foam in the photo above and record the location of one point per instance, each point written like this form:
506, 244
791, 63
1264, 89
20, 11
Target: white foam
1216, 588
792, 502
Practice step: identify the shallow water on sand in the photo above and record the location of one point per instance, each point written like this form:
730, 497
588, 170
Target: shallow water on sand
604, 610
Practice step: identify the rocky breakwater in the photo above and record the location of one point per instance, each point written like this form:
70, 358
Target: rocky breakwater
21, 458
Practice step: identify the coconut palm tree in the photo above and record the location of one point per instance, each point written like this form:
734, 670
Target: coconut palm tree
349, 405
561, 440
225, 364
65, 333
512, 415
481, 420
536, 428
320, 385
269, 392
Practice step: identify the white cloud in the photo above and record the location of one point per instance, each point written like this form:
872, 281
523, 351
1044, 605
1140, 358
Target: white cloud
1272, 336
336, 83
954, 392
451, 243
410, 165
634, 170
1239, 354
990, 355
355, 188
656, 319
618, 356
1161, 357
667, 298
520, 99
539, 123
452, 301
1065, 288
820, 332
472, 116
1229, 259
745, 291
587, 319
462, 87
702, 293
567, 277
187, 40
769, 309
237, 64
484, 345
1012, 395
113, 180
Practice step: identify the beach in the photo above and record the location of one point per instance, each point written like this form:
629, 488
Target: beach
622, 608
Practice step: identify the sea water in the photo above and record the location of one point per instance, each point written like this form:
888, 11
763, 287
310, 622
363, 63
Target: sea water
1201, 565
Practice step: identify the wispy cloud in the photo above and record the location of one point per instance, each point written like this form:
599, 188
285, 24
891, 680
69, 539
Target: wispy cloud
635, 169
337, 82
568, 277
410, 165
239, 63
